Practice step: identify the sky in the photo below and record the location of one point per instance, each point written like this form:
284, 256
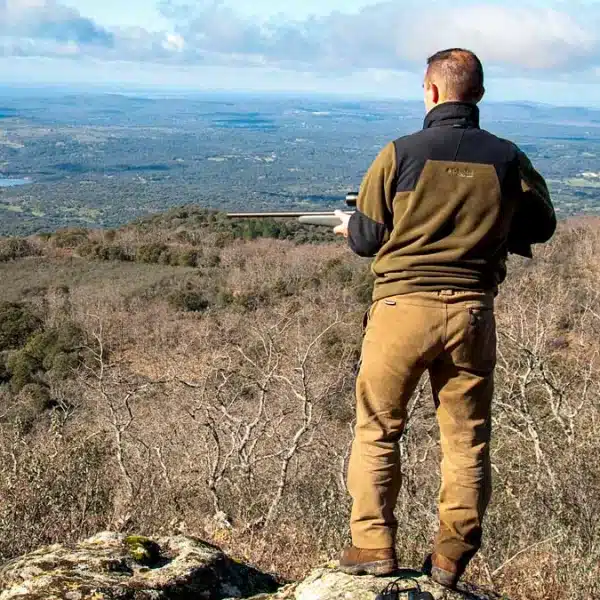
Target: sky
533, 50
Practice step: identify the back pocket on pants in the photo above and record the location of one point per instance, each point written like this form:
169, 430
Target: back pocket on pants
478, 348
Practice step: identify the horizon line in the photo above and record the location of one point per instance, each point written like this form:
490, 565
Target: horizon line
128, 89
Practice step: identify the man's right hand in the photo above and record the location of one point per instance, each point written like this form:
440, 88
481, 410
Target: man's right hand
342, 228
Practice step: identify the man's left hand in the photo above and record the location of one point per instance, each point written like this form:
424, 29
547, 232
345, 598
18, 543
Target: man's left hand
342, 228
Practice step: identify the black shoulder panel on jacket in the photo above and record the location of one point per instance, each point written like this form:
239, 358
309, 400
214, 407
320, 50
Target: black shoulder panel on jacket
454, 144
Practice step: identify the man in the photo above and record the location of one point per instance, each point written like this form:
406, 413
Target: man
439, 210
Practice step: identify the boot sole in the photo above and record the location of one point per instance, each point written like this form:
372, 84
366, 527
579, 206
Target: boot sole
380, 568
444, 578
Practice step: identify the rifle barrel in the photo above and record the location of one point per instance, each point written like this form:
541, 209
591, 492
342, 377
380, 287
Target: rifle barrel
273, 215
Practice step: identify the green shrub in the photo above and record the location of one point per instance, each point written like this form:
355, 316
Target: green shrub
17, 323
15, 248
224, 298
54, 353
100, 251
24, 368
116, 252
189, 300
168, 257
70, 238
189, 258
151, 253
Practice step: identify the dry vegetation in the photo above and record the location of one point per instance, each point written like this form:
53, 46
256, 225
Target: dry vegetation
144, 394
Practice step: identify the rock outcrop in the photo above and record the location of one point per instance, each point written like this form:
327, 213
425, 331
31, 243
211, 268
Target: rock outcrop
112, 566
329, 584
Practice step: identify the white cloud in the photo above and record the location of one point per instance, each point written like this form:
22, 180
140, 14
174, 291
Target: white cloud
528, 38
394, 35
49, 20
388, 36
174, 42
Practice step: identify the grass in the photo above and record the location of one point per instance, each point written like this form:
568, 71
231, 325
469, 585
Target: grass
39, 273
11, 208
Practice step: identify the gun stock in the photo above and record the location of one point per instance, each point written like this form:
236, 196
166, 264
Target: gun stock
325, 219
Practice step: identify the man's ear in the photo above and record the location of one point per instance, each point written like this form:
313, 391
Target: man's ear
481, 95
434, 92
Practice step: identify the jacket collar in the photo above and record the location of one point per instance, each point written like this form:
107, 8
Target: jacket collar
453, 114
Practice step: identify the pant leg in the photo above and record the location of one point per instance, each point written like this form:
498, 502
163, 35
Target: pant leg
463, 385
398, 336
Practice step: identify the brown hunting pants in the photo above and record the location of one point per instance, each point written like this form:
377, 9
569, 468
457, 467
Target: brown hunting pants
452, 335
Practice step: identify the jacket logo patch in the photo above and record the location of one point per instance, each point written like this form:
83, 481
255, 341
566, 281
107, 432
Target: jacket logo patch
458, 172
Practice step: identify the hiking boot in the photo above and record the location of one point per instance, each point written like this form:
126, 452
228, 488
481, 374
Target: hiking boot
442, 570
361, 561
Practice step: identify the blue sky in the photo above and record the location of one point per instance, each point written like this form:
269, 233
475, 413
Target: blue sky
533, 50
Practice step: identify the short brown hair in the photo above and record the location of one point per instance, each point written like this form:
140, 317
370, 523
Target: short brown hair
460, 71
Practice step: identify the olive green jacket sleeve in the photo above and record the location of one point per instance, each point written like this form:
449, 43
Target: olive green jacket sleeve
534, 220
370, 226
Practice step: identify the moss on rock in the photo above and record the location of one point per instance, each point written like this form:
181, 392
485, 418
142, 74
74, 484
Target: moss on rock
143, 550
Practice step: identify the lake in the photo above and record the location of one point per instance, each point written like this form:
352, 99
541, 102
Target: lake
8, 182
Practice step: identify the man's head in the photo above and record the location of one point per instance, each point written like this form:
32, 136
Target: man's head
454, 75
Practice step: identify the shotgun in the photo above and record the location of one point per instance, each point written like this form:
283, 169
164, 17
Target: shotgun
327, 219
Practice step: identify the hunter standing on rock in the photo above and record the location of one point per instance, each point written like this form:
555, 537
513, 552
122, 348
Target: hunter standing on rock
439, 210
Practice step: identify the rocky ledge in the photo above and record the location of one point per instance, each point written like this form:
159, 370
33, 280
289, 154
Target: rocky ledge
111, 566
